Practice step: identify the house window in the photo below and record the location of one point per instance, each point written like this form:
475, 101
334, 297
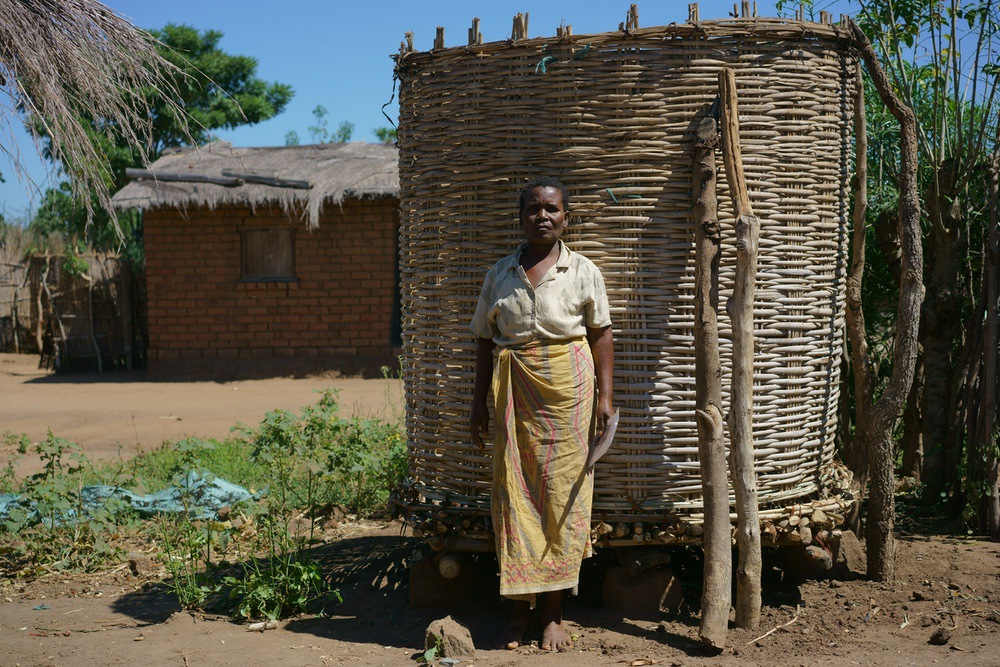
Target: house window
268, 255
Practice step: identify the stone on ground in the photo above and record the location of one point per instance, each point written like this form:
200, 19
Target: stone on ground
452, 639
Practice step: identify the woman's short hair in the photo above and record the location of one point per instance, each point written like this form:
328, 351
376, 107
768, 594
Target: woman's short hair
542, 182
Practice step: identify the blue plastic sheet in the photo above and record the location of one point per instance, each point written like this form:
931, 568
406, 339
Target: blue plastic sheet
198, 494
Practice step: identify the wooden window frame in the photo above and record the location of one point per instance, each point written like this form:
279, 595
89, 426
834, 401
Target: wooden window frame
258, 271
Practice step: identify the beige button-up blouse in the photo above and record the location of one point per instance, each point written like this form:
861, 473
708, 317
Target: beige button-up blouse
569, 298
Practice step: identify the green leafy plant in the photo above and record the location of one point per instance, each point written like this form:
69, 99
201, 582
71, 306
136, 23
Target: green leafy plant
184, 544
280, 585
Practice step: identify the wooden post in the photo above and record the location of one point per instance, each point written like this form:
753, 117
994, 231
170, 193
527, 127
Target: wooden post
861, 363
740, 309
716, 595
439, 38
475, 37
125, 308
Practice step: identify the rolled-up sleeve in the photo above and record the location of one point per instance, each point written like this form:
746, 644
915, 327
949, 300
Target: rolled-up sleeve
598, 310
481, 324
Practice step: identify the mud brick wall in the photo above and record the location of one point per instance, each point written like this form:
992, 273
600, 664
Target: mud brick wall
339, 312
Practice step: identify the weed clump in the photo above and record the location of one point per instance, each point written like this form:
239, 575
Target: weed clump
251, 560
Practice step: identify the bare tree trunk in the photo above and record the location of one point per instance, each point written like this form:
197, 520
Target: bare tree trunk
941, 326
887, 241
913, 441
740, 309
716, 595
876, 420
986, 433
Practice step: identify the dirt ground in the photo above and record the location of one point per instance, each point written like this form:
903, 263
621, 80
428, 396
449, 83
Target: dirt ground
944, 582
116, 414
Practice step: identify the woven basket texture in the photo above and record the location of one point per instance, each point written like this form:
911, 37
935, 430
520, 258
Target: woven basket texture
613, 117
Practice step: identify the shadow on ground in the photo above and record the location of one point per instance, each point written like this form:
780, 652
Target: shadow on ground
372, 575
150, 606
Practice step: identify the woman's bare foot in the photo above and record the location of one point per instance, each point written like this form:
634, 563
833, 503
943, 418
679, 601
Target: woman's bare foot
512, 635
555, 637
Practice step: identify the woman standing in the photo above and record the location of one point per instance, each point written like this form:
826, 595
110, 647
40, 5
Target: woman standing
544, 337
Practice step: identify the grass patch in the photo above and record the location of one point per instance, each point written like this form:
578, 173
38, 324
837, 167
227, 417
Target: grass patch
298, 465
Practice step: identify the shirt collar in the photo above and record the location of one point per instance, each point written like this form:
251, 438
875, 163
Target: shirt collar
562, 262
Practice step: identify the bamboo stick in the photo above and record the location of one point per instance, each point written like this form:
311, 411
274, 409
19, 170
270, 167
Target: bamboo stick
740, 309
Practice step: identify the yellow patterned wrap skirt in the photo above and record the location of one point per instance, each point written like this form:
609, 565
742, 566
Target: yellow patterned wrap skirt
542, 492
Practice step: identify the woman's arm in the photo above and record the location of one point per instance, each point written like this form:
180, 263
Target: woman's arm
479, 423
602, 346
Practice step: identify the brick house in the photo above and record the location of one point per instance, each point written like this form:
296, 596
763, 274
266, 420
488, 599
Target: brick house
263, 261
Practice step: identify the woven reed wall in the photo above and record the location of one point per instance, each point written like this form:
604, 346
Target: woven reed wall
613, 115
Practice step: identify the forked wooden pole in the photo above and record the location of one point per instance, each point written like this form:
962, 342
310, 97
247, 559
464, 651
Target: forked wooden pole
716, 595
740, 309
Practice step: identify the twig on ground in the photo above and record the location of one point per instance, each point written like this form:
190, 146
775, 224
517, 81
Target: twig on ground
777, 627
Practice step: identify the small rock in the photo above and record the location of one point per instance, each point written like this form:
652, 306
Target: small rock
917, 596
819, 517
821, 556
940, 637
452, 638
224, 512
139, 564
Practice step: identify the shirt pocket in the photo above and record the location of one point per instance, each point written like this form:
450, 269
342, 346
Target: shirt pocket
514, 314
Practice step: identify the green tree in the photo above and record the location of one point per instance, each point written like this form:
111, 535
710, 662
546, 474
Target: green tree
217, 90
941, 56
320, 132
386, 135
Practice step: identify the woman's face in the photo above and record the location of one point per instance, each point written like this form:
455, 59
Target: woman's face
544, 216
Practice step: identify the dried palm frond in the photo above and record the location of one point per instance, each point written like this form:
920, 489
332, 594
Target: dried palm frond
64, 59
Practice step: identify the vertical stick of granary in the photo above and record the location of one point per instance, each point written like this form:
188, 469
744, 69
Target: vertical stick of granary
740, 309
716, 595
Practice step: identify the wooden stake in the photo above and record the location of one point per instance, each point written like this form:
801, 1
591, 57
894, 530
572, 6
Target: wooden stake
861, 363
716, 595
518, 30
475, 37
740, 309
693, 12
633, 18
439, 38
745, 6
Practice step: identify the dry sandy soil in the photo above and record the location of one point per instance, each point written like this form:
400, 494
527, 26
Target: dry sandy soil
114, 414
118, 618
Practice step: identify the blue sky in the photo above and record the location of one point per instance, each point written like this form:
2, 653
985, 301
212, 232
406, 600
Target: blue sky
337, 53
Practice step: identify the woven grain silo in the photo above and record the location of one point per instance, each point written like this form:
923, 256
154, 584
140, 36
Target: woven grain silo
613, 116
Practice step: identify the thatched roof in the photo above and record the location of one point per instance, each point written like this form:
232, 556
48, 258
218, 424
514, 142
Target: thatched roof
294, 177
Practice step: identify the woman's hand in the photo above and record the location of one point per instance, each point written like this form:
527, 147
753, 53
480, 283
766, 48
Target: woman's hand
602, 345
602, 417
479, 423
